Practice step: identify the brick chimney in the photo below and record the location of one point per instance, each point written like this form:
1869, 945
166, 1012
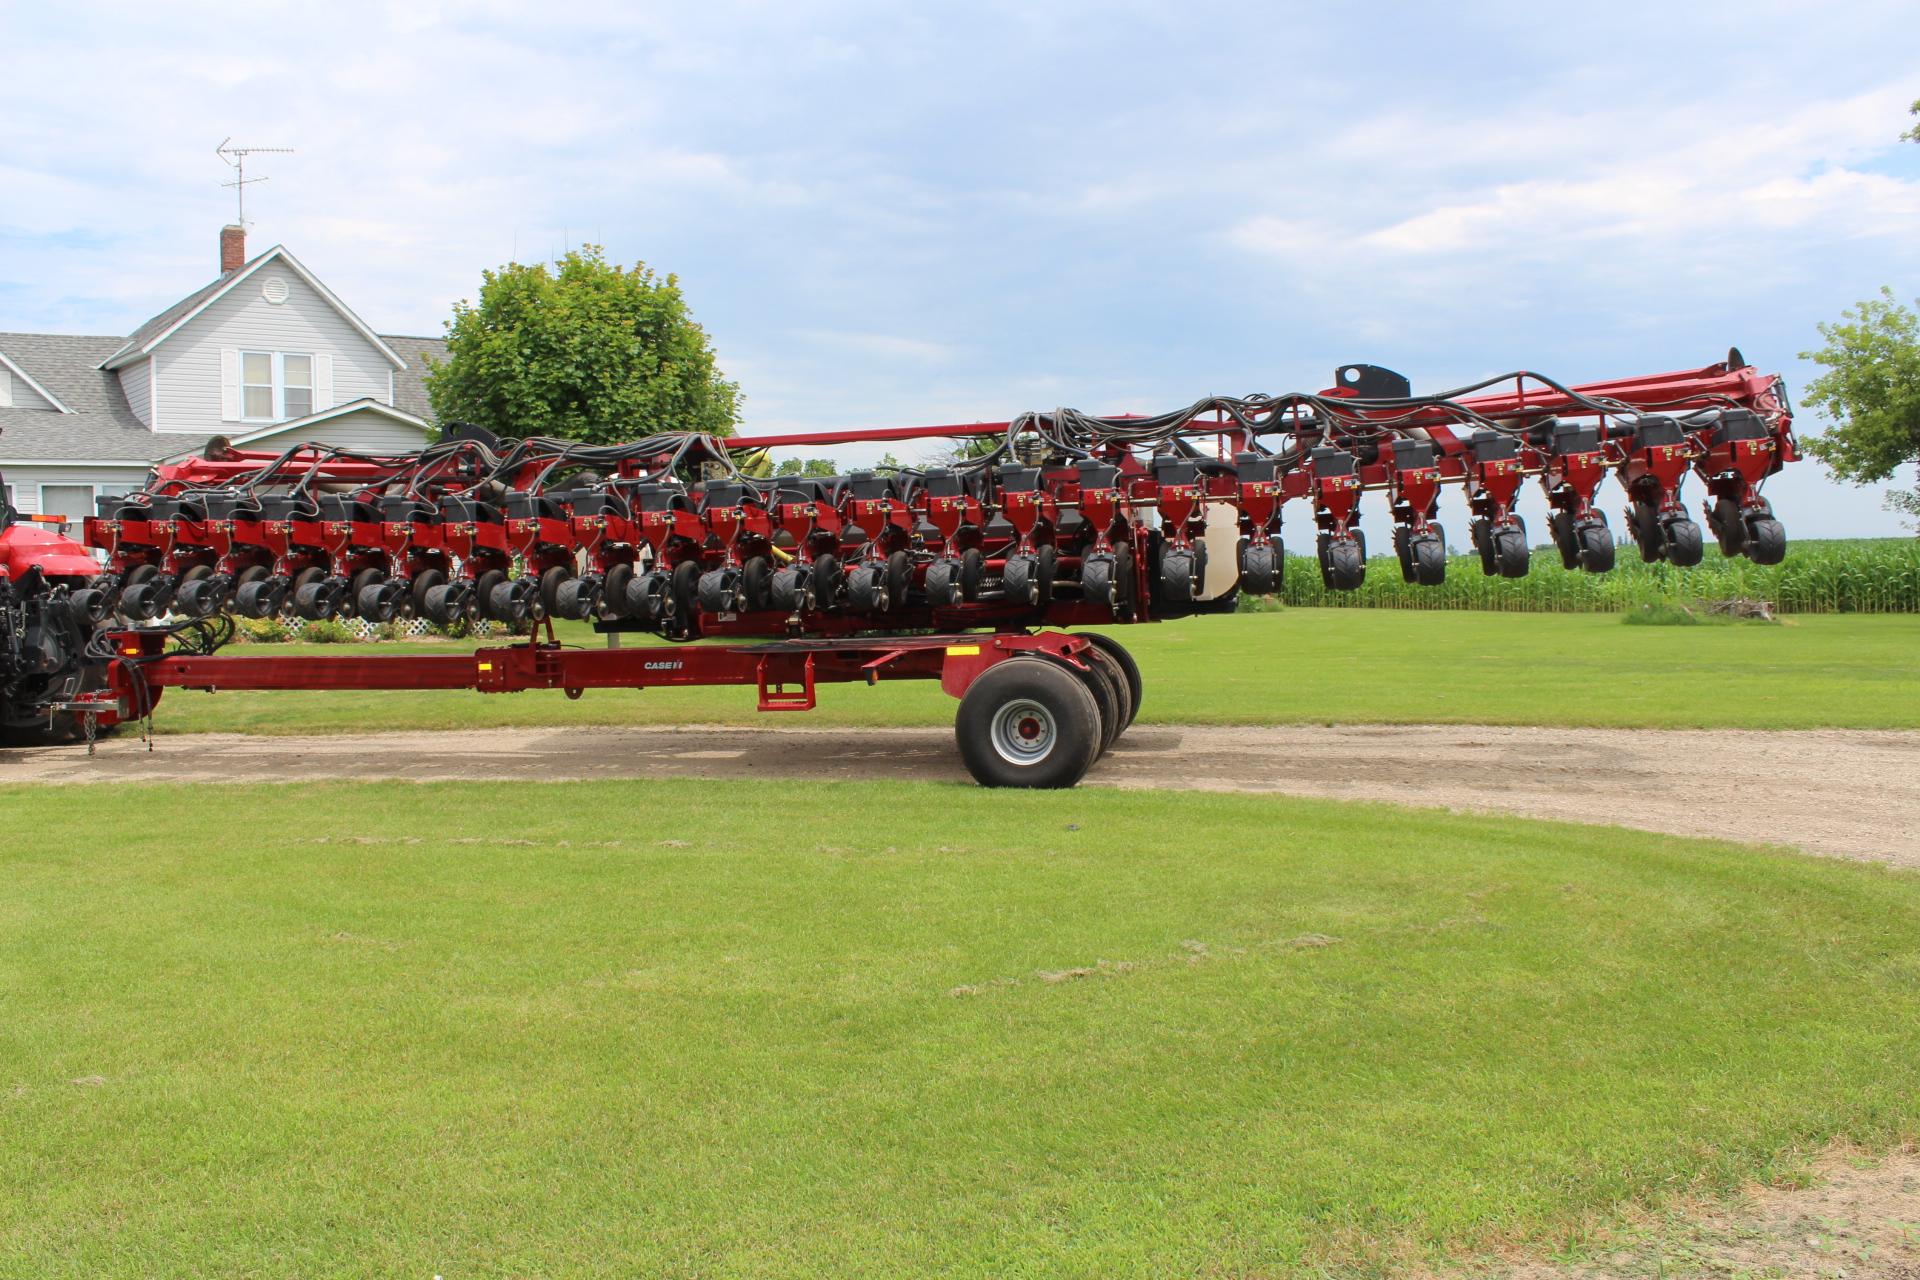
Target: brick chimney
233, 249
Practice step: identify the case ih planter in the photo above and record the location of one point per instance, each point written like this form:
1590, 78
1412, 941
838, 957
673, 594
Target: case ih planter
938, 572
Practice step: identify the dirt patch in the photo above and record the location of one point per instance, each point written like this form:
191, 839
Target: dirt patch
1857, 1218
1846, 793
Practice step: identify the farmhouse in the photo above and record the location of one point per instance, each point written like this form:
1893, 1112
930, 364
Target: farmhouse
265, 355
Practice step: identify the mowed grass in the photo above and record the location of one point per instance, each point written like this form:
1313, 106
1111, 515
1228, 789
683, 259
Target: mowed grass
1294, 666
865, 1030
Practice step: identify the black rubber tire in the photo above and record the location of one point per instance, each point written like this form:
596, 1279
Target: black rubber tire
1482, 534
1766, 540
1429, 559
1343, 564
423, 582
788, 589
973, 571
1596, 547
1180, 574
483, 592
717, 591
826, 582
1684, 546
311, 576
897, 578
1729, 528
1106, 696
512, 601
942, 583
357, 587
193, 600
549, 596
1129, 669
683, 587
613, 590
1643, 522
1121, 714
1048, 568
1510, 551
250, 598
576, 599
1566, 539
1013, 696
756, 579
1260, 569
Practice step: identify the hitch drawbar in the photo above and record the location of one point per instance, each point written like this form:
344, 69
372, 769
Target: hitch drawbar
1036, 710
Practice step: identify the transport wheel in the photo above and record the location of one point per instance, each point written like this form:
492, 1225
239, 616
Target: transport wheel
1510, 551
1565, 539
1429, 559
483, 592
1120, 714
550, 582
613, 590
1129, 669
1766, 540
1260, 569
1027, 723
1683, 543
756, 577
1596, 547
423, 582
973, 571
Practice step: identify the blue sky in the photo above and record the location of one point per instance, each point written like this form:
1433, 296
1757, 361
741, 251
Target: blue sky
897, 213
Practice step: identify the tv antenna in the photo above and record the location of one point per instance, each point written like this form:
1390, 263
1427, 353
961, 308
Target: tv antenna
236, 158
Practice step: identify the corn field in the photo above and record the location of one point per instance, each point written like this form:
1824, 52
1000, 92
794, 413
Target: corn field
1868, 575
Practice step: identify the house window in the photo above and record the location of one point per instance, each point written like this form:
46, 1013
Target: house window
275, 385
296, 386
256, 385
75, 501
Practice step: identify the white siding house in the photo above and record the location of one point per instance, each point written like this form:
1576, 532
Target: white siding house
265, 356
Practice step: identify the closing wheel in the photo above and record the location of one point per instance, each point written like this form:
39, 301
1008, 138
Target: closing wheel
1028, 723
577, 598
756, 576
943, 583
1343, 563
787, 591
549, 597
381, 601
1596, 545
1510, 552
423, 582
483, 592
1260, 569
512, 602
258, 594
1766, 540
308, 598
1429, 554
973, 571
1117, 714
1684, 546
1180, 574
718, 590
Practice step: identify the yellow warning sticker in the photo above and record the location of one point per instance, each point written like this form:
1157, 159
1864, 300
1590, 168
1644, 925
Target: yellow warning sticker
963, 651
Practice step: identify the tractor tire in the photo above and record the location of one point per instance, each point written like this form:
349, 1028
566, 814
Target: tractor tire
1766, 540
1683, 544
1028, 723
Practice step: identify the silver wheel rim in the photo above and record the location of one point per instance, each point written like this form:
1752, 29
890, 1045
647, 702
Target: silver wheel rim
1023, 732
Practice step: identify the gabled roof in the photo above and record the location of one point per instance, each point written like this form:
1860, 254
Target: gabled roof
28, 378
98, 425
161, 327
366, 404
410, 389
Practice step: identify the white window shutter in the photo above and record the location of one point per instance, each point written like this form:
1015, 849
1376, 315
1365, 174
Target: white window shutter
322, 381
229, 384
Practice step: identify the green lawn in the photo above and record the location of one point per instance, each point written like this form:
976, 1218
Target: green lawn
1298, 665
627, 1029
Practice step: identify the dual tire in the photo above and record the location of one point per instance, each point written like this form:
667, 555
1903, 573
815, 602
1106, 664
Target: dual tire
1034, 722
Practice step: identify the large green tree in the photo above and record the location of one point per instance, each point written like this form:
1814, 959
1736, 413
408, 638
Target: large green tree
584, 350
1871, 391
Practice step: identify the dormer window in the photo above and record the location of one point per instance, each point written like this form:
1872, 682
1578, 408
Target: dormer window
275, 385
